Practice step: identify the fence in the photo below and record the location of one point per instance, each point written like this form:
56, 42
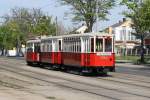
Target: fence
132, 52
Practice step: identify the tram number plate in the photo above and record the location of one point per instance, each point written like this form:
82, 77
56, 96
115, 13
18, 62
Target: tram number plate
104, 54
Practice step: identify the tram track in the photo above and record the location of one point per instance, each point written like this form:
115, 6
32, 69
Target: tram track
131, 82
111, 79
100, 87
131, 77
118, 73
123, 78
97, 94
10, 85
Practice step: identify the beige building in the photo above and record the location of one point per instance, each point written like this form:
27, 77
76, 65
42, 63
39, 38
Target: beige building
125, 41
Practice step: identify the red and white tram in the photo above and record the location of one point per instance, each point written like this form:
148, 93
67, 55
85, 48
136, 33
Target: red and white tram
33, 51
51, 50
87, 52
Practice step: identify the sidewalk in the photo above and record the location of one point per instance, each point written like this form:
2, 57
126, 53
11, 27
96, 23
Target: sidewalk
129, 62
123, 61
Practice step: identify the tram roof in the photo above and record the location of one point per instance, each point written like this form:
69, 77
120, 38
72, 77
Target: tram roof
87, 35
34, 41
74, 35
51, 37
80, 35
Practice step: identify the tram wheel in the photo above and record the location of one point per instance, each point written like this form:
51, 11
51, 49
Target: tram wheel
29, 63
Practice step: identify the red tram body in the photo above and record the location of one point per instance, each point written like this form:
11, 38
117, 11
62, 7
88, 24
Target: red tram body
51, 50
33, 51
89, 52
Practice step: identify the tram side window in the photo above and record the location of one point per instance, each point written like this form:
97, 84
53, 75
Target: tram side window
43, 48
92, 44
60, 45
86, 45
79, 46
75, 46
55, 46
65, 46
99, 45
48, 49
37, 47
108, 45
72, 45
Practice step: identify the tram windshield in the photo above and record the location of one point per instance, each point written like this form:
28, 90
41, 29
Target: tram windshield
108, 45
29, 47
103, 44
99, 45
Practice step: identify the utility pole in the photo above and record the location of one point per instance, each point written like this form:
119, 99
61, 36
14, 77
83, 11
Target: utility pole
97, 16
56, 26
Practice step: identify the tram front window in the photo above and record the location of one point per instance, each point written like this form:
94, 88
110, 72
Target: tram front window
108, 45
29, 47
99, 45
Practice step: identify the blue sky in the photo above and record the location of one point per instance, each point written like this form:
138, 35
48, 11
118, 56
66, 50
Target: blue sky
52, 7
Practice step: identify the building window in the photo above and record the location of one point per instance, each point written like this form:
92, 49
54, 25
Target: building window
124, 33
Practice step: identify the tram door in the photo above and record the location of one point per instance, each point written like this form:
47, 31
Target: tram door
86, 51
59, 60
37, 51
55, 51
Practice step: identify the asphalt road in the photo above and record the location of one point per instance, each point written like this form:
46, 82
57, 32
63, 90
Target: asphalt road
127, 68
21, 82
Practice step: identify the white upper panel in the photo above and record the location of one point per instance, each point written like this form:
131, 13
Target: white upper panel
34, 41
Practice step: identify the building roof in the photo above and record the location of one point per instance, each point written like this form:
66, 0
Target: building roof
117, 24
125, 22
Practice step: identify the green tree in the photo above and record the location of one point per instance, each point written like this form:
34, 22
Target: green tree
45, 26
20, 22
89, 10
5, 39
16, 34
31, 21
140, 14
40, 23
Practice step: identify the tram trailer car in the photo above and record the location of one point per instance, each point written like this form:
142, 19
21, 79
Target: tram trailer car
51, 48
87, 52
33, 51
